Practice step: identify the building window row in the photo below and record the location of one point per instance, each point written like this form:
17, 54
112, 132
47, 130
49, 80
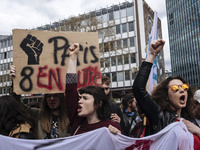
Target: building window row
5, 78
119, 76
118, 60
5, 55
5, 43
117, 45
115, 12
4, 90
5, 66
125, 27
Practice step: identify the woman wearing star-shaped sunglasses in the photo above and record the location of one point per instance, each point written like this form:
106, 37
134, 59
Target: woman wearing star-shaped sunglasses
169, 102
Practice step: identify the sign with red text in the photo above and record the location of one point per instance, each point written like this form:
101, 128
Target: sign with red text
41, 59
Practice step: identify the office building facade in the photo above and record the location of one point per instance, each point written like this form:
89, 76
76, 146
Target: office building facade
184, 38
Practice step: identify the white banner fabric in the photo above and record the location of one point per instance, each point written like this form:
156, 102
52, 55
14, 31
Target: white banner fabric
174, 137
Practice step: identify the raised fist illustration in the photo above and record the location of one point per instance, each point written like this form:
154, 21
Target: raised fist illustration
33, 48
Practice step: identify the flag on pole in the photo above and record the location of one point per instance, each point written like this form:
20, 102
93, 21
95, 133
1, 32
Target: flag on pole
153, 75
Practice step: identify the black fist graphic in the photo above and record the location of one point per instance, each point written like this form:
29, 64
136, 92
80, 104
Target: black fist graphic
33, 48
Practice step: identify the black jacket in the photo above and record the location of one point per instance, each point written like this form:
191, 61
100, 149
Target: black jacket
157, 119
130, 122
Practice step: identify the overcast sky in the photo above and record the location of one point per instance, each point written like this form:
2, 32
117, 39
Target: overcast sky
28, 14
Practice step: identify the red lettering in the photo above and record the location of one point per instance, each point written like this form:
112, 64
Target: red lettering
53, 75
41, 75
88, 76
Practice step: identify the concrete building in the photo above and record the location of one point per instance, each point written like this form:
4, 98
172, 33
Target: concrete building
6, 59
184, 38
123, 36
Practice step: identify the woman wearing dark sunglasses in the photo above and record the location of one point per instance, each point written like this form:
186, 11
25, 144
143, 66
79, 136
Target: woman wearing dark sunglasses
170, 101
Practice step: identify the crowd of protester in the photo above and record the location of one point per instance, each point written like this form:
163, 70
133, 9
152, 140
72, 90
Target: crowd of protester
91, 107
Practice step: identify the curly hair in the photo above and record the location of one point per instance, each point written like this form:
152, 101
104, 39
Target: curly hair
160, 96
13, 114
46, 114
100, 100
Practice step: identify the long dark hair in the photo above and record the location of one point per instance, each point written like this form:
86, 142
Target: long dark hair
160, 96
12, 114
100, 100
46, 114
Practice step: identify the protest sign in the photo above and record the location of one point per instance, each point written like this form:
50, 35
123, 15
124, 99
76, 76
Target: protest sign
41, 59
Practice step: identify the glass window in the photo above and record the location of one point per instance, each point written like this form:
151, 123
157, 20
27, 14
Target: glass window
11, 54
125, 43
102, 63
113, 61
123, 13
116, 14
107, 62
107, 75
101, 47
83, 23
5, 55
118, 29
114, 76
119, 44
111, 16
106, 47
6, 44
132, 41
126, 59
131, 26
127, 75
112, 46
130, 11
133, 59
119, 58
6, 66
9, 42
3, 91
124, 27
99, 19
105, 18
120, 76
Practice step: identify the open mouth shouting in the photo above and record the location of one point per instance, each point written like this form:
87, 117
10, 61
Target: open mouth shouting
79, 108
182, 99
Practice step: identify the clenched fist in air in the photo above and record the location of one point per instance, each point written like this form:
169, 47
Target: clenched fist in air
33, 48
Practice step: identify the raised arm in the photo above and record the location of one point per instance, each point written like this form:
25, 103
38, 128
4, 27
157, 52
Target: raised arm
71, 94
144, 101
11, 90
